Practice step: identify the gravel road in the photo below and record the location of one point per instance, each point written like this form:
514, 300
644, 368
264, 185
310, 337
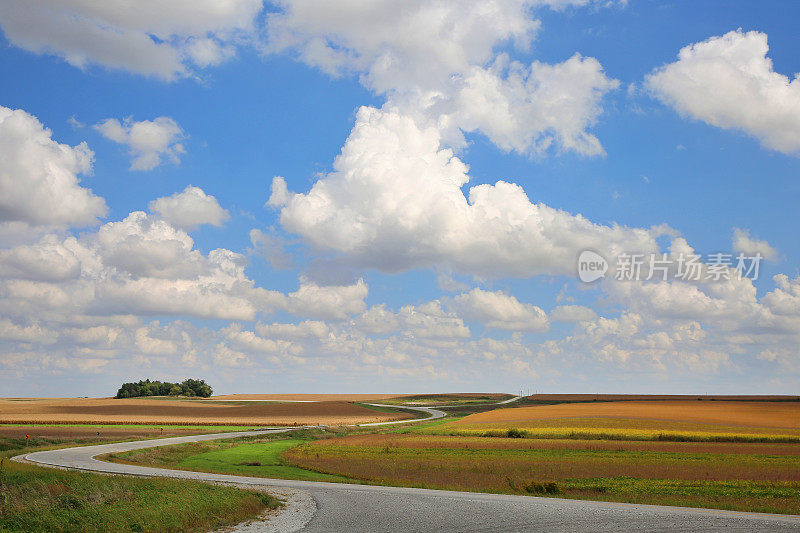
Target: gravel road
333, 507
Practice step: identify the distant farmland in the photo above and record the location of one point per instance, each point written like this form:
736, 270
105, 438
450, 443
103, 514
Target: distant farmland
305, 397
186, 412
639, 420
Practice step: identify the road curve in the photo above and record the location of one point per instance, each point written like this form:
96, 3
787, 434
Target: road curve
433, 414
357, 508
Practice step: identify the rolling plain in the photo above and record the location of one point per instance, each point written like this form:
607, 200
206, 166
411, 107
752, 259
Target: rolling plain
726, 454
716, 453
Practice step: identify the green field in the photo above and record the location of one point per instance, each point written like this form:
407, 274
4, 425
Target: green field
259, 459
432, 400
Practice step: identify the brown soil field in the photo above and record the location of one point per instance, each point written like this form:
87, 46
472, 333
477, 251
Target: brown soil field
661, 397
307, 397
352, 397
729, 413
177, 412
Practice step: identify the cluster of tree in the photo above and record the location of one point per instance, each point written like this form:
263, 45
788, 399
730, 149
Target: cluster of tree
189, 387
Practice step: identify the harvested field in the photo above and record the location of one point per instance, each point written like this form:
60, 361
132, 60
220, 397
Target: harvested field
306, 397
176, 412
659, 397
784, 415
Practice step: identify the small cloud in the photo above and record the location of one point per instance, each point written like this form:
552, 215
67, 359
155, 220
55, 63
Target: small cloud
680, 147
572, 313
189, 209
745, 244
447, 282
271, 247
615, 195
75, 123
645, 179
149, 141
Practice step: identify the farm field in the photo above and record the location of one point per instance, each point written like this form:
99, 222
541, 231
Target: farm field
89, 433
564, 398
739, 413
738, 476
181, 412
638, 420
305, 397
448, 399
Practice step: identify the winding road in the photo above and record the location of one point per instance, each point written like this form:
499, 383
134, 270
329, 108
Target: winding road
357, 508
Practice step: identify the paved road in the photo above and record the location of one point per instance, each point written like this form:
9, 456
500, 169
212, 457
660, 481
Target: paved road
432, 414
357, 508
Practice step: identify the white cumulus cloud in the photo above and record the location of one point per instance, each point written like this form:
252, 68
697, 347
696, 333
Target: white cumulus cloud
39, 177
748, 245
500, 310
394, 201
729, 82
149, 141
439, 62
189, 209
166, 40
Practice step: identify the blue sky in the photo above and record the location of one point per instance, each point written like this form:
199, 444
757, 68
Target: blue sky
387, 275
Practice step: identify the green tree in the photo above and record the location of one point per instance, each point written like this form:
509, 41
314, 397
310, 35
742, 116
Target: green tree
189, 387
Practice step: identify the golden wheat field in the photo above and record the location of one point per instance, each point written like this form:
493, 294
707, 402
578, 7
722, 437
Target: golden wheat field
178, 412
730, 413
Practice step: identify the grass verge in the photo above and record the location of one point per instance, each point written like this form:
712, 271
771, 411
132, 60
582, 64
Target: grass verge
34, 498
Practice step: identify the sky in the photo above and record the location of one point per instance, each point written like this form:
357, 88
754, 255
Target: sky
395, 196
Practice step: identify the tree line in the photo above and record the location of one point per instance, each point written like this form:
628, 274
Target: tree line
189, 387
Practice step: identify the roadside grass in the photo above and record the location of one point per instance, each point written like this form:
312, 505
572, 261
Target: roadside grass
34, 498
746, 481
